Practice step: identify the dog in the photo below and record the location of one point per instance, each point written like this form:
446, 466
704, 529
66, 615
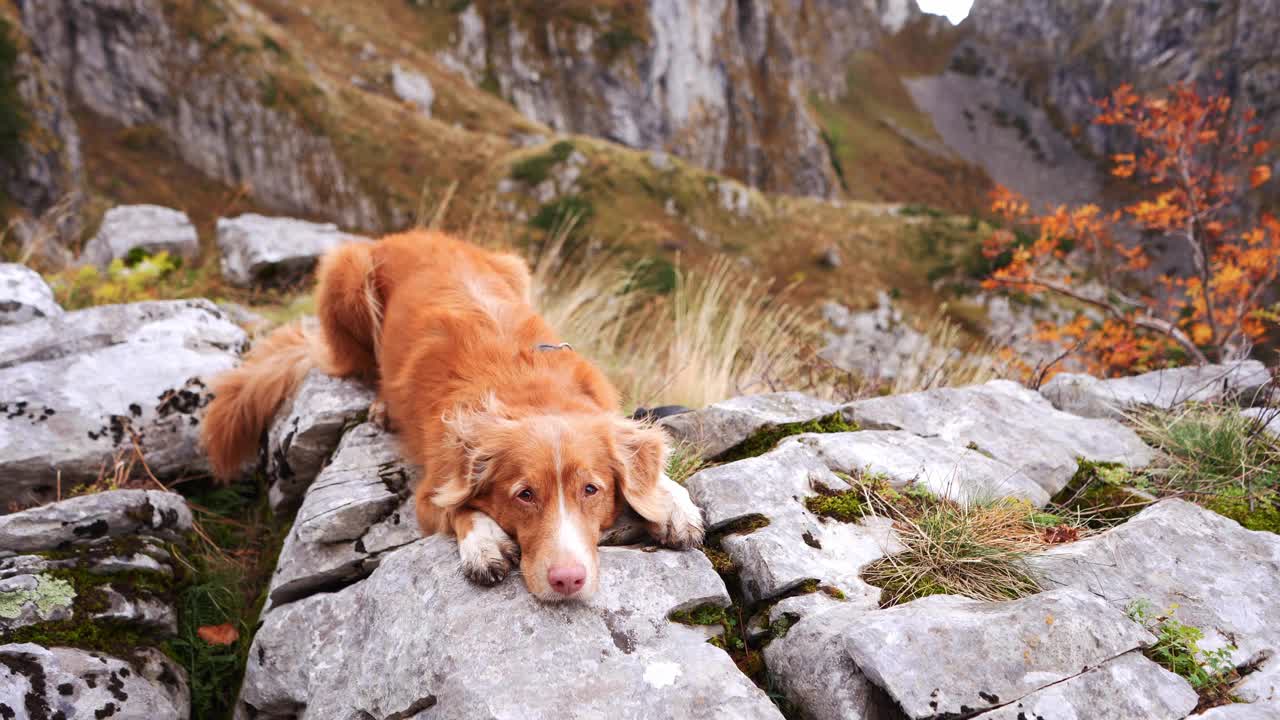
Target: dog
526, 458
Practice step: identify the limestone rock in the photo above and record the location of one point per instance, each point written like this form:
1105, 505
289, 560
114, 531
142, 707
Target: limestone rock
794, 546
1091, 397
412, 87
877, 344
1130, 686
1241, 711
80, 387
305, 434
258, 250
1009, 423
1268, 418
38, 682
722, 426
110, 514
923, 653
1222, 578
33, 599
149, 228
24, 295
945, 469
416, 635
356, 509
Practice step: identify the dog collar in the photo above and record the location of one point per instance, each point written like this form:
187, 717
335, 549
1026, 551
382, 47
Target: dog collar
544, 347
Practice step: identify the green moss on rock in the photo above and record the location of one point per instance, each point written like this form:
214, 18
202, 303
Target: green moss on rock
51, 593
765, 439
700, 615
1252, 513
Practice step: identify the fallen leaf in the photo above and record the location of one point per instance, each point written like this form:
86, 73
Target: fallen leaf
1259, 175
224, 634
1059, 534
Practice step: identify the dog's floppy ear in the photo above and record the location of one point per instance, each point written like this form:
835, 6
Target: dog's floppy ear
640, 453
472, 440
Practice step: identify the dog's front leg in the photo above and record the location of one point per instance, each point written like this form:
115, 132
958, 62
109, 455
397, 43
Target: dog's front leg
680, 524
487, 551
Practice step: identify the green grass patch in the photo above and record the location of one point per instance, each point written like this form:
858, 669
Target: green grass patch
533, 170
765, 439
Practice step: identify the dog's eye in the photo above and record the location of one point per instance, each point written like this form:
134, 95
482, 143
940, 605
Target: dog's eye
525, 495
590, 489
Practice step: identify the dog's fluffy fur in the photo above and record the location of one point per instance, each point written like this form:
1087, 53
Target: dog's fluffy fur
524, 453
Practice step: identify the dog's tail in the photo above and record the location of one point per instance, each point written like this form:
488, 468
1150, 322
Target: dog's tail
247, 398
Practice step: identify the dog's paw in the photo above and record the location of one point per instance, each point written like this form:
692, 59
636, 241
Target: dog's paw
488, 553
378, 415
683, 527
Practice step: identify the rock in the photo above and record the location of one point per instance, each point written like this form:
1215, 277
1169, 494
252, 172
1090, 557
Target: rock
1129, 686
78, 388
33, 599
305, 434
258, 250
38, 682
416, 635
24, 295
923, 653
1241, 711
876, 344
721, 427
141, 609
1220, 577
244, 317
944, 468
831, 258
413, 88
356, 509
794, 546
110, 514
149, 228
1267, 417
1009, 423
1091, 397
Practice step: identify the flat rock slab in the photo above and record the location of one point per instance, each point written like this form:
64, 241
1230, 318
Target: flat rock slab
357, 509
149, 228
1008, 423
795, 545
1221, 578
37, 682
719, 428
1091, 397
1128, 687
810, 666
945, 655
259, 250
945, 468
415, 636
83, 519
77, 390
24, 295
1241, 711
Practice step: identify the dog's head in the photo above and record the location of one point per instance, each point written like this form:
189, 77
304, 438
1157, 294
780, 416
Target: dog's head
554, 483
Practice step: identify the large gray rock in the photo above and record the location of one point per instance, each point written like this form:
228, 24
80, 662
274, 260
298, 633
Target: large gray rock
1220, 577
110, 514
795, 545
950, 656
724, 425
357, 509
1091, 397
24, 295
944, 468
258, 250
37, 682
79, 388
150, 228
416, 636
1127, 687
305, 433
1009, 423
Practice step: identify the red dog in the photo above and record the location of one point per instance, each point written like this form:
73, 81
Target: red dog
525, 454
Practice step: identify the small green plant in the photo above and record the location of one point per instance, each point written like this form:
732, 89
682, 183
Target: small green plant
533, 170
1177, 649
121, 282
683, 461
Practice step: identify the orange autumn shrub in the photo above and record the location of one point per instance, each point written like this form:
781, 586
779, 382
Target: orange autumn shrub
1196, 160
